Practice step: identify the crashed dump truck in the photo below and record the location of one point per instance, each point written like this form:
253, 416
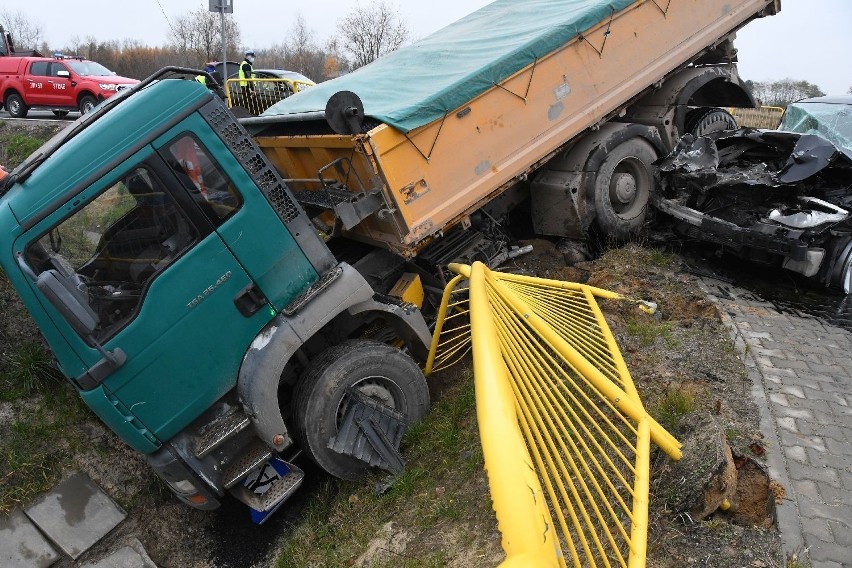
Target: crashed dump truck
773, 197
232, 302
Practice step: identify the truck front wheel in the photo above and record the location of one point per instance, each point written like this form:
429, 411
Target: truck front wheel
623, 187
15, 105
319, 405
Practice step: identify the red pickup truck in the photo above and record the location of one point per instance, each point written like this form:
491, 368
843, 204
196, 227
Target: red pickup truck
58, 83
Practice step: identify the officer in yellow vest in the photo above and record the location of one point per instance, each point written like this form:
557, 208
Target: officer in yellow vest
209, 68
247, 72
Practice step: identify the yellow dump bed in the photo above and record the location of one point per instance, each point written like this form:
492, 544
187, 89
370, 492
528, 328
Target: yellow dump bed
542, 72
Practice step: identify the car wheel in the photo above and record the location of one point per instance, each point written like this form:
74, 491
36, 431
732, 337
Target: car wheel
87, 103
60, 113
623, 187
702, 121
378, 371
15, 105
839, 265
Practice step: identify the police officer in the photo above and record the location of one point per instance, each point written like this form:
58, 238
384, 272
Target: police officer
247, 72
209, 68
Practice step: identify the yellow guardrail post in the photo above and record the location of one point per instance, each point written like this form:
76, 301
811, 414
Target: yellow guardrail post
529, 538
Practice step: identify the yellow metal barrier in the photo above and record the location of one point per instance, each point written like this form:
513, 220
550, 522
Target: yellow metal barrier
260, 94
763, 117
564, 434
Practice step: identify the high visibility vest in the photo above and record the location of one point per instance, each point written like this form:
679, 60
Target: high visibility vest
243, 76
201, 79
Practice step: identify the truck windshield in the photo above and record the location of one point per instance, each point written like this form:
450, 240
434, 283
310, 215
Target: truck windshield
115, 246
89, 68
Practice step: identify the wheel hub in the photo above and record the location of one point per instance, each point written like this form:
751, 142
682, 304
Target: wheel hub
623, 188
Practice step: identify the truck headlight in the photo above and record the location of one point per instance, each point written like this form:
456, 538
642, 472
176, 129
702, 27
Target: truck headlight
107, 86
182, 486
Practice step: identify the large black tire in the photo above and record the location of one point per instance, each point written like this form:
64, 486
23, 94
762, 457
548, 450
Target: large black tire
704, 120
87, 103
15, 105
623, 188
377, 370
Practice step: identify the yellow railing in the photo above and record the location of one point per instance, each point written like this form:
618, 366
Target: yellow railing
260, 94
565, 437
763, 117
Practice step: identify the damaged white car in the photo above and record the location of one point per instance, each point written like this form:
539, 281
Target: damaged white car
776, 197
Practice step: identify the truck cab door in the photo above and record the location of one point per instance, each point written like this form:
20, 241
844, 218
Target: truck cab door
164, 287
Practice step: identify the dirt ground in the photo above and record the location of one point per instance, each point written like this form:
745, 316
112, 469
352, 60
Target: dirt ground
444, 519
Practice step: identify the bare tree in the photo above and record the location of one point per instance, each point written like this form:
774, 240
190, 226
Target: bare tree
784, 91
367, 33
25, 33
196, 36
850, 90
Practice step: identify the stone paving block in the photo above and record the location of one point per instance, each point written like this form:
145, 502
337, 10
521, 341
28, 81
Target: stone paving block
842, 533
131, 556
801, 413
796, 453
805, 471
833, 495
75, 514
827, 431
779, 399
812, 509
791, 390
828, 460
824, 551
21, 545
817, 529
788, 424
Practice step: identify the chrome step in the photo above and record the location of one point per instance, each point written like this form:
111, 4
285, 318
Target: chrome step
253, 456
278, 491
221, 431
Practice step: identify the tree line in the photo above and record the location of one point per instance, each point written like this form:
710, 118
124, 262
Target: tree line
363, 34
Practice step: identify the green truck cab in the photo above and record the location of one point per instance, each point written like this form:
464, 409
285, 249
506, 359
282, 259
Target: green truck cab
189, 299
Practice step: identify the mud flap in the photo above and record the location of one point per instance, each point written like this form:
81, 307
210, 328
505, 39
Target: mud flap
370, 432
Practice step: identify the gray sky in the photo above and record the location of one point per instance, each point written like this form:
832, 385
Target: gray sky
809, 39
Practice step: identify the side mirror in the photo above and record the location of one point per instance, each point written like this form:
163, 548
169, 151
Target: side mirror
69, 300
63, 73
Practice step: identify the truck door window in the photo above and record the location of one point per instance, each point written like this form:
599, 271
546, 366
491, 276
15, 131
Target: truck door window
211, 189
116, 245
55, 68
39, 69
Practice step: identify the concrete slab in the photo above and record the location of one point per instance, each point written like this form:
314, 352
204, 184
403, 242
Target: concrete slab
22, 545
75, 514
131, 556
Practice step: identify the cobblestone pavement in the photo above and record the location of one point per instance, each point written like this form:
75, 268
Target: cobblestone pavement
802, 381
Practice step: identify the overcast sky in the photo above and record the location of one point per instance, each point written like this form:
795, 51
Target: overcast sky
810, 39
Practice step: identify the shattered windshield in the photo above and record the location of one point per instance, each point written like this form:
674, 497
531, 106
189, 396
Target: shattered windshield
89, 69
829, 120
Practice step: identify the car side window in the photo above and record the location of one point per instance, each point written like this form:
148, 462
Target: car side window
208, 185
55, 68
115, 246
39, 69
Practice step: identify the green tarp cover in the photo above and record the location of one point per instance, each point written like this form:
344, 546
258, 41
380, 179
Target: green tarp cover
420, 83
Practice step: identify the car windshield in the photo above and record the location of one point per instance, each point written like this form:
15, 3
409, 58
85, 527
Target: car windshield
89, 69
829, 120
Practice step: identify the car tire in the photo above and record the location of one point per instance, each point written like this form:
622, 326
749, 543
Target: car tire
16, 106
87, 103
704, 120
623, 186
377, 370
60, 113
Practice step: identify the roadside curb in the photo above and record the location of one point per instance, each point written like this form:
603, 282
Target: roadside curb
788, 519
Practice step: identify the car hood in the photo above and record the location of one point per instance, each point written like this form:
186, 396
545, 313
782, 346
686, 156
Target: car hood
111, 79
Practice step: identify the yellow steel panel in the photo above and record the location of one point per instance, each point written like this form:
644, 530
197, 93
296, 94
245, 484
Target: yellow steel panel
548, 373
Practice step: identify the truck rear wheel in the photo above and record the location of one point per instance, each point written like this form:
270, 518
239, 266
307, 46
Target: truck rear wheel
623, 188
702, 121
15, 105
378, 371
